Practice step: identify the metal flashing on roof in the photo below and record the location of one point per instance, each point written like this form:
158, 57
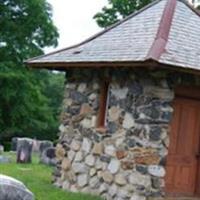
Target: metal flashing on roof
158, 46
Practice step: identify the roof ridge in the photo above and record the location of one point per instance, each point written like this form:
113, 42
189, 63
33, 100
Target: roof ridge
98, 34
159, 44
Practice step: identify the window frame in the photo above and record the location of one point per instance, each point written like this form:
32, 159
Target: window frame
103, 107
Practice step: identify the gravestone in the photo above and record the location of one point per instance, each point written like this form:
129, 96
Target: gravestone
12, 189
45, 145
24, 150
48, 156
50, 153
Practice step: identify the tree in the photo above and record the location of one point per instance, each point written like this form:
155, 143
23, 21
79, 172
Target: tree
117, 10
26, 28
27, 107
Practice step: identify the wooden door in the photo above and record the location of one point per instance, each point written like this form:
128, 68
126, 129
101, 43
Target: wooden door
182, 162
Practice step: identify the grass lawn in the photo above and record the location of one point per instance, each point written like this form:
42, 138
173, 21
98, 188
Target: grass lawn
37, 178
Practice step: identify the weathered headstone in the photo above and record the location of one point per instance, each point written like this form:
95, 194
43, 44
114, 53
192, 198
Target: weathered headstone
12, 189
45, 145
24, 150
48, 156
50, 153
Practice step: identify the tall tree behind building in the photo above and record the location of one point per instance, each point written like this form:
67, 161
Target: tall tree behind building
117, 10
26, 104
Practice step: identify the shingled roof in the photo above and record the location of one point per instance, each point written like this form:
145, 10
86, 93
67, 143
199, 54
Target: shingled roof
165, 32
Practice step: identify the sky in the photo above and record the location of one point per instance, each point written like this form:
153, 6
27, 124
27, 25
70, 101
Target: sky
74, 20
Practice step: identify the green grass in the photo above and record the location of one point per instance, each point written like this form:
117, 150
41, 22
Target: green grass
37, 178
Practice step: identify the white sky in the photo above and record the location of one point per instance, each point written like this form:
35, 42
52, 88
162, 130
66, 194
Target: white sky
74, 20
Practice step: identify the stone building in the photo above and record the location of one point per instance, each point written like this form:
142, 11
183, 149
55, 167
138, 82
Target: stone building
130, 125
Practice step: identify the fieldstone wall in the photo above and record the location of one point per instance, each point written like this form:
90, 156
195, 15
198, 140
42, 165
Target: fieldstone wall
126, 162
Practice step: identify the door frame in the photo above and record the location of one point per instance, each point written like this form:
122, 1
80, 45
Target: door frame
190, 92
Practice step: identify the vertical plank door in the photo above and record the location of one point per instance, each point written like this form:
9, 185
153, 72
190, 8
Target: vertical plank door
182, 162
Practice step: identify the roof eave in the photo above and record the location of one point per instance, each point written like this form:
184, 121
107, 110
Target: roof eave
150, 63
62, 66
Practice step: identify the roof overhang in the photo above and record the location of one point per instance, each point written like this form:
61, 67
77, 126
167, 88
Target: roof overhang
152, 57
148, 64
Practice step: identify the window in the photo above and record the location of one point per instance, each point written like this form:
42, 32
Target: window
103, 107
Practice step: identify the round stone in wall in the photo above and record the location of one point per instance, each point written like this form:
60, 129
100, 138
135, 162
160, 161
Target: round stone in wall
86, 145
155, 133
138, 179
107, 177
82, 87
110, 150
79, 168
112, 191
156, 170
128, 121
120, 179
114, 113
90, 160
79, 156
82, 180
114, 166
119, 93
75, 145
137, 197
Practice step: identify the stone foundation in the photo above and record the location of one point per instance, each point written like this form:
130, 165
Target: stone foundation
126, 161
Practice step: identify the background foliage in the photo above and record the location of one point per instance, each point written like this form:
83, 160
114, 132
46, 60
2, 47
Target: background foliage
117, 10
30, 99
